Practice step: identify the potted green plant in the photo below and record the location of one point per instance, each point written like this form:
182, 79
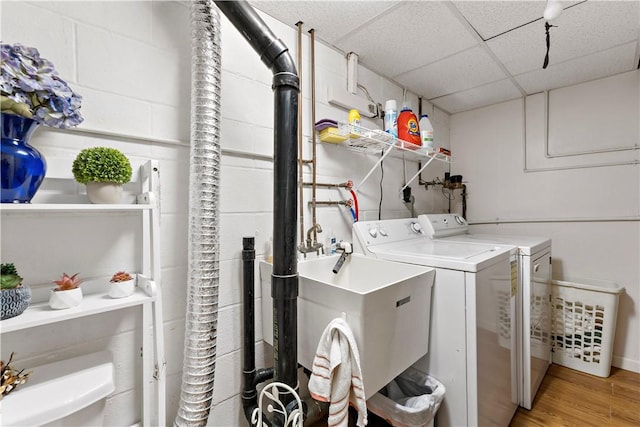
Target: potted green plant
122, 284
15, 296
68, 293
103, 170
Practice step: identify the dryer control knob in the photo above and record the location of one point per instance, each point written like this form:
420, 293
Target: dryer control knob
459, 220
373, 232
415, 227
383, 232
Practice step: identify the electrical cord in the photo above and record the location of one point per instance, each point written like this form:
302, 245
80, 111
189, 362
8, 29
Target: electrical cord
364, 89
379, 112
448, 194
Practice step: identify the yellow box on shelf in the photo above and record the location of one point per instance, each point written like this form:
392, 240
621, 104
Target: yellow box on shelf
331, 134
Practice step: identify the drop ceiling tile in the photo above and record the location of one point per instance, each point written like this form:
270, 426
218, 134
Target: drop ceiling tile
471, 68
591, 67
490, 18
407, 37
330, 19
582, 30
494, 17
480, 96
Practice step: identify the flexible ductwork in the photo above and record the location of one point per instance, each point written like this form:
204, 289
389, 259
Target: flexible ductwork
204, 189
203, 275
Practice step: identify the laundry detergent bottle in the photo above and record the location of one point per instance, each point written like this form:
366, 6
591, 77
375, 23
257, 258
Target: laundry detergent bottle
408, 129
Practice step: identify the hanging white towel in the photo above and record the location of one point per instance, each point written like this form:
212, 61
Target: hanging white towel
336, 376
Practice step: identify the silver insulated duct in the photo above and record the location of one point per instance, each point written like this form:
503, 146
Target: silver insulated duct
201, 321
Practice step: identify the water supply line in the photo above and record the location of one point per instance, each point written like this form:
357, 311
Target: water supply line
314, 163
300, 179
348, 185
204, 182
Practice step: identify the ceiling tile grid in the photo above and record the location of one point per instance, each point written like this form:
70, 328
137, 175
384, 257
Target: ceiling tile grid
407, 37
435, 49
473, 67
492, 93
490, 18
331, 19
581, 30
602, 64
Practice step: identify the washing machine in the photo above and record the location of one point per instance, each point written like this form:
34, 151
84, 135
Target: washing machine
473, 300
534, 294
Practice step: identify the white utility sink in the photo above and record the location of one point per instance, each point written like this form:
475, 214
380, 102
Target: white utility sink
386, 304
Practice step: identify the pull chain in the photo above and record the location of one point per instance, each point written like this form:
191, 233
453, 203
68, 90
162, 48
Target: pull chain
546, 57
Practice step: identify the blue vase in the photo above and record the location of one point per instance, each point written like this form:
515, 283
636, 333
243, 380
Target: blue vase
23, 167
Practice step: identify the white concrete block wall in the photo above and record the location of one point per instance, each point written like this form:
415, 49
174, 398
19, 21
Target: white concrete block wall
130, 62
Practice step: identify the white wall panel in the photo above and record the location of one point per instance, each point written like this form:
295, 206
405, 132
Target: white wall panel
592, 214
594, 117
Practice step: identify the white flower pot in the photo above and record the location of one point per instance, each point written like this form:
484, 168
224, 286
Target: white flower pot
121, 289
59, 300
104, 192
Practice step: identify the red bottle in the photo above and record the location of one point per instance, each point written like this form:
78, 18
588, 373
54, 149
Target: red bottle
408, 129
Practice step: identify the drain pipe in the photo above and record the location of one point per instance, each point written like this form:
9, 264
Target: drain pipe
284, 279
251, 377
201, 318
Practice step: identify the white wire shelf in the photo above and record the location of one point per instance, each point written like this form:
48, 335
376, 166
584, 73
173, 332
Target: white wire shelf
380, 143
375, 142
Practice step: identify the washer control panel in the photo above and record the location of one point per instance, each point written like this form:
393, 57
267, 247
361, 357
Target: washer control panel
387, 231
443, 225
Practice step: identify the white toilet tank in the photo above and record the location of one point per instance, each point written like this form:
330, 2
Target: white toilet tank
70, 392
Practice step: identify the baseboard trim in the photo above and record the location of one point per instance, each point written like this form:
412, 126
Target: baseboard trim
626, 364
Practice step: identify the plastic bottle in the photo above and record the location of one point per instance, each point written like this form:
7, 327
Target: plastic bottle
354, 123
426, 133
391, 117
408, 129
334, 244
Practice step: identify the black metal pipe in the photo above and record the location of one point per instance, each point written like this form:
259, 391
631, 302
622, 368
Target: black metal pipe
251, 376
284, 281
249, 393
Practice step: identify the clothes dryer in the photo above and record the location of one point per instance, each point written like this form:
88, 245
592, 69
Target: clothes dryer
534, 294
472, 299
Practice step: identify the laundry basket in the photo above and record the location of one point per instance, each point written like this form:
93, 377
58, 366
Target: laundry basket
584, 324
412, 399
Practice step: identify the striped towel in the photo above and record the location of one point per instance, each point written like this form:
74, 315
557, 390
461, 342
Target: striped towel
336, 376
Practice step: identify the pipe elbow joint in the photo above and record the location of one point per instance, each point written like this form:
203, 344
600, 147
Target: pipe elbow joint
346, 247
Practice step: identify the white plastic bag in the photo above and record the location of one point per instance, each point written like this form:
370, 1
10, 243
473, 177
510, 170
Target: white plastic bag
410, 400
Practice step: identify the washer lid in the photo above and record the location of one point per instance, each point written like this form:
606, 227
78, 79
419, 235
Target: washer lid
527, 245
443, 254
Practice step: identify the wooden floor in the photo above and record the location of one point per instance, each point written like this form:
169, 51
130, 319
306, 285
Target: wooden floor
572, 398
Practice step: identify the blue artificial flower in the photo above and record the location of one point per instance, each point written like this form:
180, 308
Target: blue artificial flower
32, 81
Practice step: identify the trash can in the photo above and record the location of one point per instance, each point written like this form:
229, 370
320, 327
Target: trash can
583, 324
412, 399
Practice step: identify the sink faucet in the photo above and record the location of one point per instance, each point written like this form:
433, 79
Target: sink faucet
346, 249
311, 246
